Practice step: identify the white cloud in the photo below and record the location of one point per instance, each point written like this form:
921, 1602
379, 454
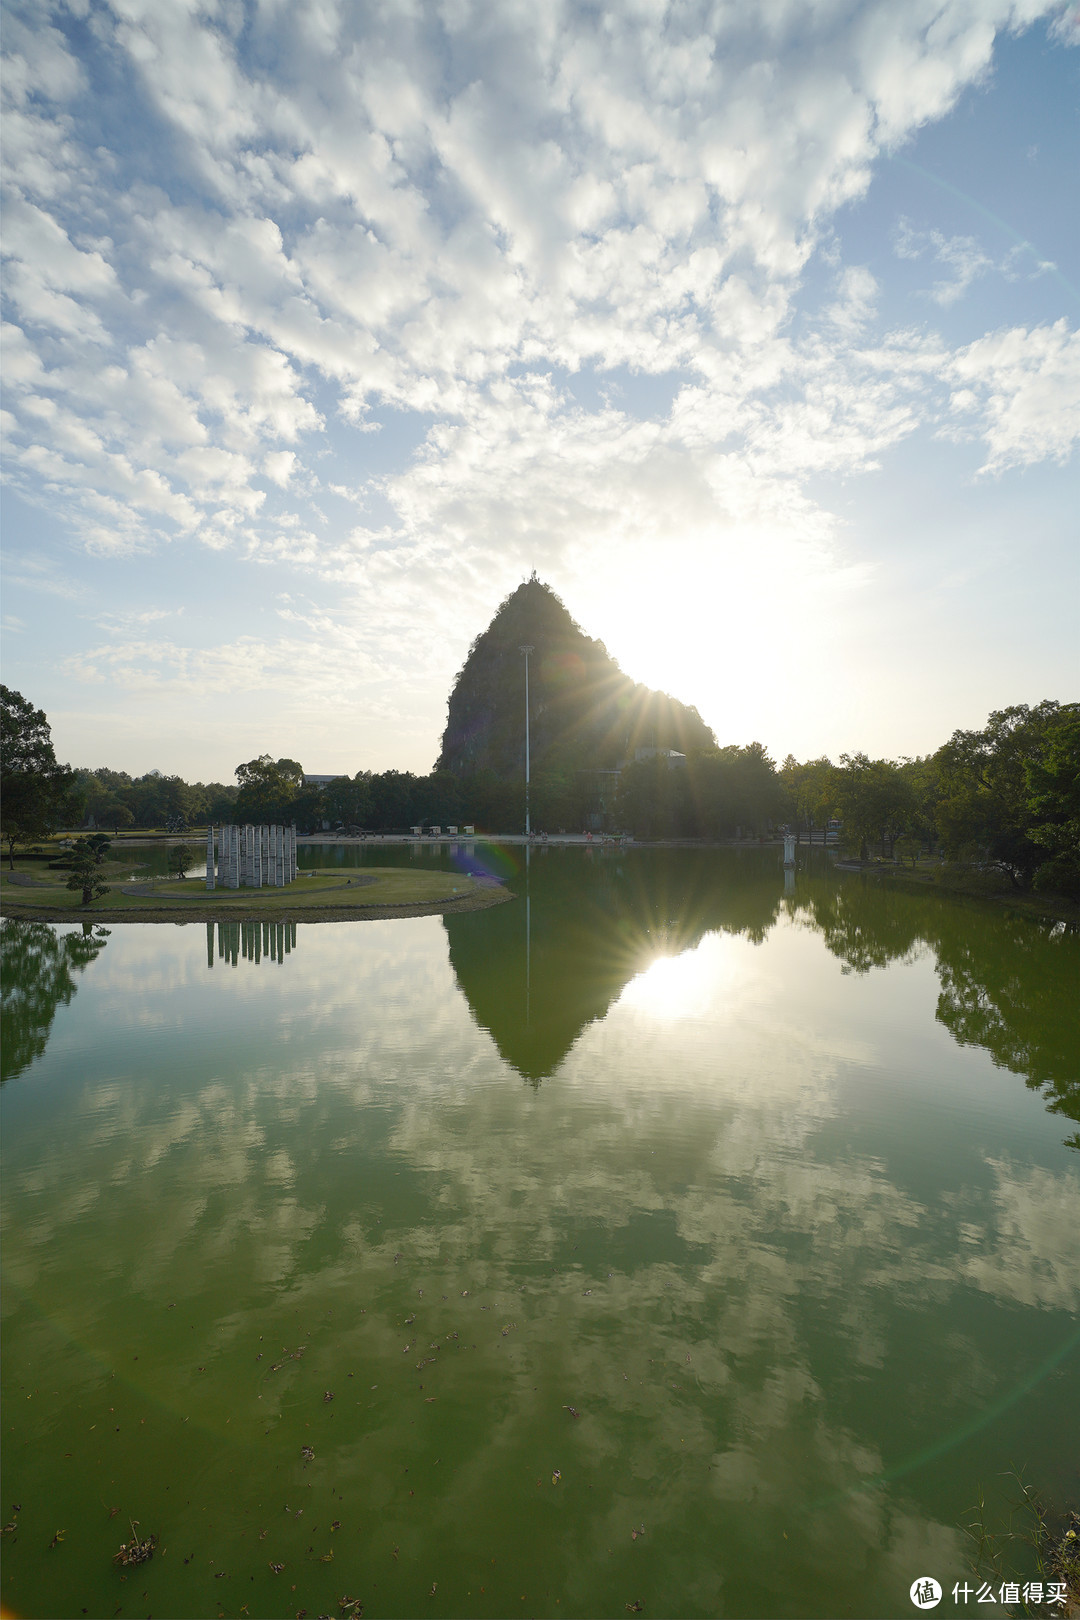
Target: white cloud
476, 213
1023, 390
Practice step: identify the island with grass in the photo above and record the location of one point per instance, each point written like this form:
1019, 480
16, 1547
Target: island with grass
317, 895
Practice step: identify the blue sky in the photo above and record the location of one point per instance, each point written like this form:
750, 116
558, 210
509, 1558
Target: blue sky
753, 329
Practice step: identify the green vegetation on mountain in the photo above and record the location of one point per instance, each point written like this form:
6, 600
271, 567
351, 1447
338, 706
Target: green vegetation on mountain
585, 714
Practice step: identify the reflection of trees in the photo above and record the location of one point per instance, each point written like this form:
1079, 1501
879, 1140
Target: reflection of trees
595, 919
1006, 984
537, 972
38, 968
865, 927
1016, 1000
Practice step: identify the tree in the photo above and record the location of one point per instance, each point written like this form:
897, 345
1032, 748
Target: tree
115, 814
181, 859
876, 799
36, 794
268, 789
84, 862
348, 799
1053, 784
987, 778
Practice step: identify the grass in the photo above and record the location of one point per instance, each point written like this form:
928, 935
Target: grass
1051, 1544
325, 890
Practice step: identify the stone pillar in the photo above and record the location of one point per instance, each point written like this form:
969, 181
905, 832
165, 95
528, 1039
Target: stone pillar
279, 857
234, 857
210, 880
256, 858
789, 849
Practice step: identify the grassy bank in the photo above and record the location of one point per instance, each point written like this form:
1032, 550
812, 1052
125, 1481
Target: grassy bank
975, 883
314, 897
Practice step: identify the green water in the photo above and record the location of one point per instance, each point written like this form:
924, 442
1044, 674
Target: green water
775, 1190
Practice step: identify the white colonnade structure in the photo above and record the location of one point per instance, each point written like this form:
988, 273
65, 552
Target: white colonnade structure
250, 857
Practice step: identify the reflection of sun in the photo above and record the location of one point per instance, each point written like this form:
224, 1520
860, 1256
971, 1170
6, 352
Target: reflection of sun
685, 986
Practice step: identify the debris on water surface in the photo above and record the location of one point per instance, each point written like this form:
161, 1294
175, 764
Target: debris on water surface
409, 1320
135, 1551
308, 1453
573, 1411
328, 1395
349, 1605
635, 1607
336, 1525
556, 1476
277, 1568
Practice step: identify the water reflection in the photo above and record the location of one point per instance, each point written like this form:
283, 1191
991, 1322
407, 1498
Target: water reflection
711, 1237
1006, 984
250, 941
37, 967
537, 974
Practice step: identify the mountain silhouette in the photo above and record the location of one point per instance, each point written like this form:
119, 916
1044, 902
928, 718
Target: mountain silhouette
584, 712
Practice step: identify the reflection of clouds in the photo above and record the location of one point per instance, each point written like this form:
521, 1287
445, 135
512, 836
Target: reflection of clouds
698, 1162
1033, 1257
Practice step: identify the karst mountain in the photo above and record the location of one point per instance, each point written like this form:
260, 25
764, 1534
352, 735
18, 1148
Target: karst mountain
584, 713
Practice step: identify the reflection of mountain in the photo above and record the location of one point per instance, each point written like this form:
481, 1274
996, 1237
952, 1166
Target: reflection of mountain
587, 921
37, 971
1005, 984
250, 941
537, 972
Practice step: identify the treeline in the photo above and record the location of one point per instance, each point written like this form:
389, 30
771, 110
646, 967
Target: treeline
1006, 797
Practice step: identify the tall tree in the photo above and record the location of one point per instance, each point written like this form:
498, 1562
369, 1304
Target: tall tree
268, 789
985, 811
36, 794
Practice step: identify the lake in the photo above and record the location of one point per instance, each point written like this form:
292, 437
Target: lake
734, 1251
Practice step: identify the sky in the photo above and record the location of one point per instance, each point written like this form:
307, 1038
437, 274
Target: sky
750, 325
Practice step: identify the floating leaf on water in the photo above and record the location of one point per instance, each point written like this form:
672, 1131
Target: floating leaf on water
328, 1395
308, 1453
556, 1476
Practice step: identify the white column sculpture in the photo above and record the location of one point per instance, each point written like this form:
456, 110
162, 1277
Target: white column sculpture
210, 858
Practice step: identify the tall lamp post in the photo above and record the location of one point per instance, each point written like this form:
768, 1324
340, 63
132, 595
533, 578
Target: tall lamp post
527, 651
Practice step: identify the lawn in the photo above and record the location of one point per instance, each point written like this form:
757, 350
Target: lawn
312, 892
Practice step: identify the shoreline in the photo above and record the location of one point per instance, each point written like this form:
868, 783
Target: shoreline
209, 913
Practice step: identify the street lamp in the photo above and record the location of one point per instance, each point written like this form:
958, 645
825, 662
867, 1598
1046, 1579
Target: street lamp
527, 651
